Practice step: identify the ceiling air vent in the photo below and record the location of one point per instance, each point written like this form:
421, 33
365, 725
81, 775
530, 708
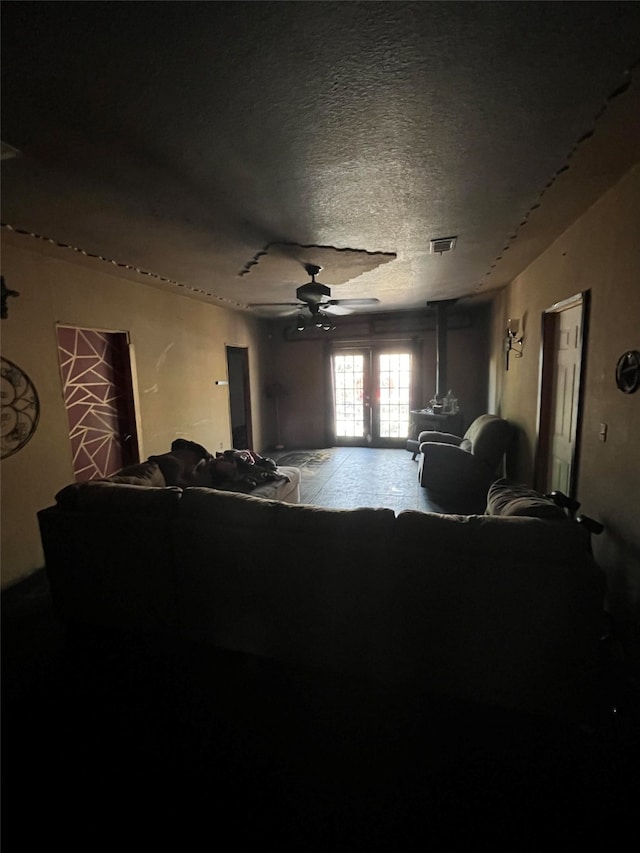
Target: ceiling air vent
442, 244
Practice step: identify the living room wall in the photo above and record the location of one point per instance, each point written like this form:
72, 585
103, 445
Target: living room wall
179, 353
599, 253
300, 364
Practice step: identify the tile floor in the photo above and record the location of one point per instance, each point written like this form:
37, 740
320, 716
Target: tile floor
360, 477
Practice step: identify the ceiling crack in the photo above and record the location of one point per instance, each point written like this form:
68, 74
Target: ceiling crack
25, 233
619, 90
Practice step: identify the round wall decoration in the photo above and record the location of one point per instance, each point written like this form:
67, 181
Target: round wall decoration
628, 372
20, 408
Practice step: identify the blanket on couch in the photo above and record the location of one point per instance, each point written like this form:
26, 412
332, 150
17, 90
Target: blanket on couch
191, 464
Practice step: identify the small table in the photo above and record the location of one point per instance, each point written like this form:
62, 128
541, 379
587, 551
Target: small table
426, 419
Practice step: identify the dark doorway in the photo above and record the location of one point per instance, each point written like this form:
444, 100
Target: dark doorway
239, 397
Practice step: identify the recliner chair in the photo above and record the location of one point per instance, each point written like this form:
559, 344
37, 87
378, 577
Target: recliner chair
457, 472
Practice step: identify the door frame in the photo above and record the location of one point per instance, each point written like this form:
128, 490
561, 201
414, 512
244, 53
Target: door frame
549, 321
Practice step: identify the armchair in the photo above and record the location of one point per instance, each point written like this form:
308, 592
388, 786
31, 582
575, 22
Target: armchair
457, 472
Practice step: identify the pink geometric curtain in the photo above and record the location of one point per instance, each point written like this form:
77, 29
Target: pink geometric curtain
95, 394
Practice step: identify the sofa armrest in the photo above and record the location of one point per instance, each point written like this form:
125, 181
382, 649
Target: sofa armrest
439, 437
508, 498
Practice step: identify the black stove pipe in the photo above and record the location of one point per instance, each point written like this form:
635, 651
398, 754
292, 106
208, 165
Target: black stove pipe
442, 306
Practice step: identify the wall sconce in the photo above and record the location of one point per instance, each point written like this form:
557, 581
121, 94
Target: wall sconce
513, 341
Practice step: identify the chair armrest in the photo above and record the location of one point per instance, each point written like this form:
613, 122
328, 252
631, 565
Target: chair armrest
439, 437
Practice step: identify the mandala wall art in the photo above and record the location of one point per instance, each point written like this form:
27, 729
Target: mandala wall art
20, 408
628, 372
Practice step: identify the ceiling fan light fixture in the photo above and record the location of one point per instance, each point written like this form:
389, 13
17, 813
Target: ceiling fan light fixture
322, 321
301, 324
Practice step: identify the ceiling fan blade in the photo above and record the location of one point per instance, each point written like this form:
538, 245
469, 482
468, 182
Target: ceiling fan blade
337, 310
354, 302
276, 305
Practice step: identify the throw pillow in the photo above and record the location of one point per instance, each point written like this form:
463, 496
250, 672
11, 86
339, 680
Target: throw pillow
142, 474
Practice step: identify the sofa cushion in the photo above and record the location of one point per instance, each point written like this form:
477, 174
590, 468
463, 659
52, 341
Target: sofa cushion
483, 539
287, 490
286, 581
506, 498
228, 508
341, 525
298, 520
102, 496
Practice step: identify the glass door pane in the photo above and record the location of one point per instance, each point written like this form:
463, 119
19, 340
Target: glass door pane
394, 382
349, 385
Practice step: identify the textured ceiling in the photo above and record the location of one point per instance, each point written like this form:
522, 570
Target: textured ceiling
182, 141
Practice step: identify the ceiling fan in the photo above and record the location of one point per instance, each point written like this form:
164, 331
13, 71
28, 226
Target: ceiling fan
316, 297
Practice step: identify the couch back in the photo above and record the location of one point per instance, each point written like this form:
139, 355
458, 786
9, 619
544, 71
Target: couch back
109, 555
499, 610
504, 610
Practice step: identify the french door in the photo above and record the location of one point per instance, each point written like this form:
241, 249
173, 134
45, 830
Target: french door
371, 395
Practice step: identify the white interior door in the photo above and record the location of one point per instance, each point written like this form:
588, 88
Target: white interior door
567, 352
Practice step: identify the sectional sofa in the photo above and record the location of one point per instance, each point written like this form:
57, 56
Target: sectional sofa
501, 609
